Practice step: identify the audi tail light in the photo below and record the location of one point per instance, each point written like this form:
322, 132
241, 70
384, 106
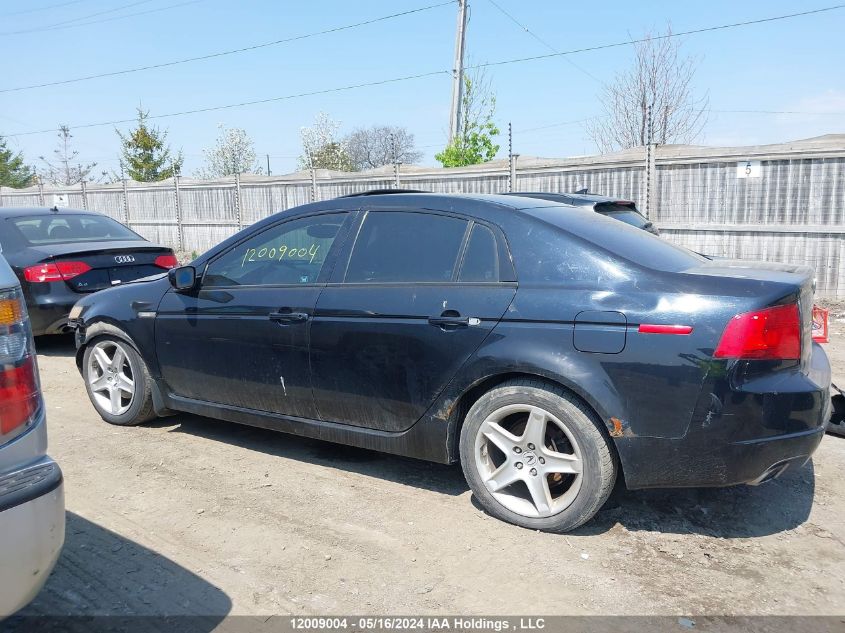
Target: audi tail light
55, 271
768, 334
20, 391
166, 261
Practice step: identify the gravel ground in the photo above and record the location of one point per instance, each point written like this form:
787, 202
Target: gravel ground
194, 516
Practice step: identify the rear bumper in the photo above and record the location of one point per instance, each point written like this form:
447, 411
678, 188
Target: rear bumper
743, 431
32, 522
49, 305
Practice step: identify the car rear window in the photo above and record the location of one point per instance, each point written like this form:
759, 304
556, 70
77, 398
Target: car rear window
623, 213
62, 229
633, 244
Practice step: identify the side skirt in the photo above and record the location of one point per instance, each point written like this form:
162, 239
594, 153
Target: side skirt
427, 439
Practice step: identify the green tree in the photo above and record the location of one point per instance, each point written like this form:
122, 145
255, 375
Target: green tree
144, 154
474, 142
13, 172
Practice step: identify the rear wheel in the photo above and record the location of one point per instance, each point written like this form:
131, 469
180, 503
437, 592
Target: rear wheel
534, 455
117, 382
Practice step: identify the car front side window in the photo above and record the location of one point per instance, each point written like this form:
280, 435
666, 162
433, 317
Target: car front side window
290, 253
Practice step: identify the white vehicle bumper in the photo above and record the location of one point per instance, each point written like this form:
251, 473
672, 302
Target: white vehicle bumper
32, 525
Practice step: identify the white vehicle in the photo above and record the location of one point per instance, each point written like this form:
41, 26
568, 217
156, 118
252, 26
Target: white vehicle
32, 503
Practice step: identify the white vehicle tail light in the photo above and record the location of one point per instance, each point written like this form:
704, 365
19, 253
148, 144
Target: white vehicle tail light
20, 392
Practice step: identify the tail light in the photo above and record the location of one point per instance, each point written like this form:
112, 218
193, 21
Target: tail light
768, 334
20, 392
58, 271
166, 261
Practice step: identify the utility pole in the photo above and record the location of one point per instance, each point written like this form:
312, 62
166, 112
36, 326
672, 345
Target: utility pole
649, 158
458, 72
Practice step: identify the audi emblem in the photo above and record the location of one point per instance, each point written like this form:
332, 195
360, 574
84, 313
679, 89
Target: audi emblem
124, 259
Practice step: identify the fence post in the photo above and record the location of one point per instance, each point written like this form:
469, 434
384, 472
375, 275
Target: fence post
84, 196
238, 200
1, 195
512, 176
40, 191
396, 175
178, 214
125, 202
313, 185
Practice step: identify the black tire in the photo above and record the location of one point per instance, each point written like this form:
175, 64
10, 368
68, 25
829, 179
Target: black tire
140, 408
598, 460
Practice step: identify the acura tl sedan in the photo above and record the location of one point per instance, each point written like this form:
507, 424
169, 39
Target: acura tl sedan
59, 255
548, 349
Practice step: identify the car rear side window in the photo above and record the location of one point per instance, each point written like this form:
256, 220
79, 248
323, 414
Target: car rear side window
285, 254
481, 261
406, 247
63, 229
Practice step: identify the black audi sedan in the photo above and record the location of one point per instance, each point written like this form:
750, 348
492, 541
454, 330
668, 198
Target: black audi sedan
546, 348
59, 255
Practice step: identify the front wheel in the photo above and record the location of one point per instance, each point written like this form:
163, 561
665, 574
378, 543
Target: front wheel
117, 381
534, 455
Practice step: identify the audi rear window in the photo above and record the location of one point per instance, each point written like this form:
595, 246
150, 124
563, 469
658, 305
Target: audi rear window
63, 229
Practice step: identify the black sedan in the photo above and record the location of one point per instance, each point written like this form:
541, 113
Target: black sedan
59, 255
545, 348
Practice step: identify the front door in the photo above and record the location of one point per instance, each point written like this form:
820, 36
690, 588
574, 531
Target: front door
419, 295
242, 339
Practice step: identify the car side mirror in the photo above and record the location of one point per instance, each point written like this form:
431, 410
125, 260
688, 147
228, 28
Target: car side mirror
183, 278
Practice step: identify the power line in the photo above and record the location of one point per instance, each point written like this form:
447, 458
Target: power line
707, 29
111, 19
229, 52
37, 9
247, 103
544, 42
434, 73
77, 19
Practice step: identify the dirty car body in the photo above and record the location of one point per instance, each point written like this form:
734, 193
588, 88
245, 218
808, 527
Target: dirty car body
635, 330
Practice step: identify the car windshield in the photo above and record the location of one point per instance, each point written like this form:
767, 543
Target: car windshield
57, 229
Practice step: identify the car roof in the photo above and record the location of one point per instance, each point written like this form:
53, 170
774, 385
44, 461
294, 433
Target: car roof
17, 212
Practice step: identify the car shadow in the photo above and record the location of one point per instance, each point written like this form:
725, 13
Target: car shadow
736, 512
103, 581
60, 345
441, 478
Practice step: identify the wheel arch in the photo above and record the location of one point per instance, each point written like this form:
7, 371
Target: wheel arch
463, 403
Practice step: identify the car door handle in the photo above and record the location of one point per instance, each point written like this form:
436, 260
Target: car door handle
288, 317
450, 318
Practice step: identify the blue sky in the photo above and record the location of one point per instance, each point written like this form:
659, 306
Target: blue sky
794, 65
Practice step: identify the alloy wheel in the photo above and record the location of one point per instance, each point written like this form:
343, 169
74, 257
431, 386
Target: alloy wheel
111, 377
529, 460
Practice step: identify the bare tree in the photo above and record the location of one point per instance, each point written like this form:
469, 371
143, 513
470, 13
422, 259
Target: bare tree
65, 168
660, 80
381, 145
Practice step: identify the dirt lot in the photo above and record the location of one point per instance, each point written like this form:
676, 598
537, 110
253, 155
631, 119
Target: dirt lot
195, 516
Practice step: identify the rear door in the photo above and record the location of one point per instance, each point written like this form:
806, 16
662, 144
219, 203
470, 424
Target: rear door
418, 294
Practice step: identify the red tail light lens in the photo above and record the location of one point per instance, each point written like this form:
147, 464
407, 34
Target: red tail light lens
58, 271
768, 334
166, 261
19, 395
